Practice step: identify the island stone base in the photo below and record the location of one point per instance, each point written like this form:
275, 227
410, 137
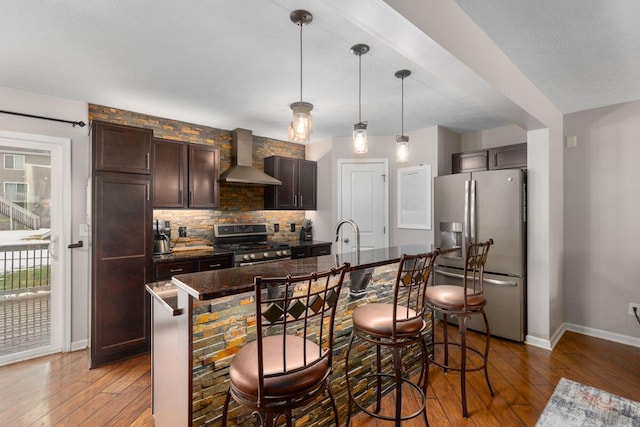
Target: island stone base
223, 325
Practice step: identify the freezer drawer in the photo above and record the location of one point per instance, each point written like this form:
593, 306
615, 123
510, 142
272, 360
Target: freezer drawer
505, 303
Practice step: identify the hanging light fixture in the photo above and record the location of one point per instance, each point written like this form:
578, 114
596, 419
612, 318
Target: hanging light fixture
301, 126
402, 141
360, 143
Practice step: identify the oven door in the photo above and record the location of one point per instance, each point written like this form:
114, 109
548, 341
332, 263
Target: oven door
243, 263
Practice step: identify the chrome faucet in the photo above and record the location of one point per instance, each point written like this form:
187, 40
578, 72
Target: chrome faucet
356, 230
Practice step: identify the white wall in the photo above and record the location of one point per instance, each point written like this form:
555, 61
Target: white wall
602, 229
505, 135
42, 105
423, 146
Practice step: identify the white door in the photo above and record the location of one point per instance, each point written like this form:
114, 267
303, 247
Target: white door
363, 197
34, 225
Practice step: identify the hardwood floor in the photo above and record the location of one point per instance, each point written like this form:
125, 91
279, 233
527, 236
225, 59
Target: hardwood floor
60, 390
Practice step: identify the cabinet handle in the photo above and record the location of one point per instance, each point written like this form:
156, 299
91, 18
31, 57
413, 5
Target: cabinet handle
214, 265
295, 200
301, 201
148, 162
175, 270
190, 197
147, 191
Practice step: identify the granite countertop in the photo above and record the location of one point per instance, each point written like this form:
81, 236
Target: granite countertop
300, 243
218, 283
184, 255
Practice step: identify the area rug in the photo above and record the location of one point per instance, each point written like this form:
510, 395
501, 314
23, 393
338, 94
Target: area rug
575, 404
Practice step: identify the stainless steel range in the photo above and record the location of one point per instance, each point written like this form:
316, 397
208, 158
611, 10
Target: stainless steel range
249, 243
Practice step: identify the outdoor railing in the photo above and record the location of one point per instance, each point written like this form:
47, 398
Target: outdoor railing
24, 268
19, 214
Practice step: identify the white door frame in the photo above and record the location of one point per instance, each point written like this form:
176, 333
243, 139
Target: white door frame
385, 163
60, 149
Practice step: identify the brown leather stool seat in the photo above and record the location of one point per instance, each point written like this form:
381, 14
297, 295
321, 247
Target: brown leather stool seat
243, 371
288, 365
396, 326
452, 297
377, 319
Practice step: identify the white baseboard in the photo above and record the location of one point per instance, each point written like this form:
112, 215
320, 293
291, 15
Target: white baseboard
597, 333
79, 345
605, 335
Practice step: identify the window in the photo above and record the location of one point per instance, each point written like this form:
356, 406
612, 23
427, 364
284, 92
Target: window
14, 161
16, 191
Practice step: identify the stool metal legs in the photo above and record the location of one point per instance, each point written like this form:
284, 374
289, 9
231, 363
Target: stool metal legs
462, 328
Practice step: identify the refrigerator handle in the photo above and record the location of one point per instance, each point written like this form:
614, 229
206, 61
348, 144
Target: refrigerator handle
472, 211
465, 234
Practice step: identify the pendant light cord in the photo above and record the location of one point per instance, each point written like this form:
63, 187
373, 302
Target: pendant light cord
300, 61
360, 88
402, 110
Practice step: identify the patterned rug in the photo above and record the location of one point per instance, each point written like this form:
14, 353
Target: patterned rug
575, 404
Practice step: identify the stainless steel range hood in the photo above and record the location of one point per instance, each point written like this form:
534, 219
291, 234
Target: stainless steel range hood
242, 170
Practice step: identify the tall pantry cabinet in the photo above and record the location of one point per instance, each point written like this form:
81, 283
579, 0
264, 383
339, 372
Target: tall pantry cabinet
122, 217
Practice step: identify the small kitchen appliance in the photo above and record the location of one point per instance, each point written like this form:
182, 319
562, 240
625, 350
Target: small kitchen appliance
161, 241
249, 243
306, 231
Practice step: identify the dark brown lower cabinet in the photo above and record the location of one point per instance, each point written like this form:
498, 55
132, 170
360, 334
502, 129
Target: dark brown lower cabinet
121, 235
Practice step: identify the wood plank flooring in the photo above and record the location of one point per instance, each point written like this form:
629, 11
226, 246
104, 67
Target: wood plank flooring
60, 390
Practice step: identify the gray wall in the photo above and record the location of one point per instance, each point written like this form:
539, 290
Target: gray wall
602, 229
42, 105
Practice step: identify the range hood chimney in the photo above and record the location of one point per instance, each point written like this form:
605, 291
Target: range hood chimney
242, 170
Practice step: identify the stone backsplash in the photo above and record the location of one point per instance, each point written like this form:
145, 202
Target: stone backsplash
238, 204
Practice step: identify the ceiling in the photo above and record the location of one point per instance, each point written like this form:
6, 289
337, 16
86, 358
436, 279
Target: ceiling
229, 64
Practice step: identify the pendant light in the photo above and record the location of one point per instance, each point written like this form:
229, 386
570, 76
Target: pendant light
402, 141
301, 126
360, 143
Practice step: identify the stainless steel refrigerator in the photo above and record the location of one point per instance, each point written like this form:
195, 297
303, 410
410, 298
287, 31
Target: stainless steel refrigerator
475, 207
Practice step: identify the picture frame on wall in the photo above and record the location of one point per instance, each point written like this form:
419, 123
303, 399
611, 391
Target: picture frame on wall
414, 197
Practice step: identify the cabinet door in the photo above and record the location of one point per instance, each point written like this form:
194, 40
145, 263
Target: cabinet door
470, 162
118, 148
120, 314
215, 263
169, 174
166, 270
284, 196
307, 184
300, 252
204, 170
320, 250
508, 157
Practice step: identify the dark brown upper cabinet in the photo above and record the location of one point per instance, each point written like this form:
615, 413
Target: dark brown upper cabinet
185, 175
508, 157
470, 162
504, 157
169, 174
119, 148
299, 183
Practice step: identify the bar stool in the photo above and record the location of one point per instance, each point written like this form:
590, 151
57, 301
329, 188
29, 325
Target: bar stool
289, 363
397, 326
462, 302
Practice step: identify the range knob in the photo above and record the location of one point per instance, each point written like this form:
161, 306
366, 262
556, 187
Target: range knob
285, 252
266, 254
252, 256
278, 253
246, 257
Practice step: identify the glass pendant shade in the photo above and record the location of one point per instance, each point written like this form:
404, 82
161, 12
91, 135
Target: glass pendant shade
301, 128
402, 141
402, 148
360, 143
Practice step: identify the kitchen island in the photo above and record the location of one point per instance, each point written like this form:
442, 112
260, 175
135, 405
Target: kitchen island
200, 320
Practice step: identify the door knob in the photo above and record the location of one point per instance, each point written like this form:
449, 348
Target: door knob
346, 240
